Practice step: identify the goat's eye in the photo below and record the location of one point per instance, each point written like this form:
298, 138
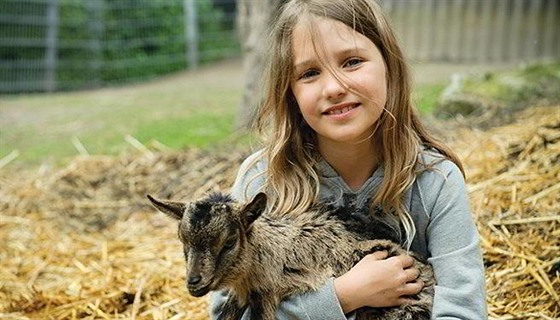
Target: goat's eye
230, 243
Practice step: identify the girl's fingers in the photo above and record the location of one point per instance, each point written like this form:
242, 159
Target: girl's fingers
404, 261
402, 301
411, 274
410, 288
378, 255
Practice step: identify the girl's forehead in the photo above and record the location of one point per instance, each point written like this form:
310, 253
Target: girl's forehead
317, 28
311, 36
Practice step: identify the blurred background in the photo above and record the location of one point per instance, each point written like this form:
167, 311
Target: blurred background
54, 45
53, 50
105, 101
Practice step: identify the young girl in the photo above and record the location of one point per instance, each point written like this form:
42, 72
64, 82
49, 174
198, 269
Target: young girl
341, 128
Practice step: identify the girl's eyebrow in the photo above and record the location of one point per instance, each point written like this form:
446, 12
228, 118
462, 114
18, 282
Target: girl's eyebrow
343, 52
304, 64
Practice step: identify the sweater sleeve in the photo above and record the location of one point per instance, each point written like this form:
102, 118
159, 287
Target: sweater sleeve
453, 244
319, 304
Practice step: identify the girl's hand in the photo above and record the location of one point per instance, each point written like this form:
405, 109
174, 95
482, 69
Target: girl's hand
378, 281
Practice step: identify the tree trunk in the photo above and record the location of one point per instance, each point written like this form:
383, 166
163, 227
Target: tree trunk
253, 19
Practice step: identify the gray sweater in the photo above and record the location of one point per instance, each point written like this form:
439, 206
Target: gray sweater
446, 237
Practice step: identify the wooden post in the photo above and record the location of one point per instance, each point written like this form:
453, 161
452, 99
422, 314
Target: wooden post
486, 39
533, 36
440, 52
191, 33
501, 31
253, 19
457, 32
551, 29
429, 32
517, 33
51, 46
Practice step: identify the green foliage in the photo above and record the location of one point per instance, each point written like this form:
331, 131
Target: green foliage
111, 41
426, 97
495, 96
535, 83
143, 38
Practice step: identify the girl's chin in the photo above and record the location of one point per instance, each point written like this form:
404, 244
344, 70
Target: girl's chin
345, 139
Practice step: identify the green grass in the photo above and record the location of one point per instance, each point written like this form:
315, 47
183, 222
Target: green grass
523, 85
184, 110
427, 95
199, 130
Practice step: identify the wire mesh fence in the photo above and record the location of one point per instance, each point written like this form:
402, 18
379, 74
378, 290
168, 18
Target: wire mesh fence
52, 45
48, 45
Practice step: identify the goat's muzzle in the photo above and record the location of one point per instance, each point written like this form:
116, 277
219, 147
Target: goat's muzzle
197, 287
199, 292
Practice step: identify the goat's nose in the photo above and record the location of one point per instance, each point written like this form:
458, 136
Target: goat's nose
194, 279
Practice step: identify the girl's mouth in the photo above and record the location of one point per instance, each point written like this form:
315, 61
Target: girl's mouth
341, 110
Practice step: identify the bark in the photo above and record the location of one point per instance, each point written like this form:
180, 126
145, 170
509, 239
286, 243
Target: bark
253, 18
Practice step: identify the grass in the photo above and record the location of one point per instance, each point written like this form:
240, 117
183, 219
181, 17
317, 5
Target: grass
199, 130
188, 109
426, 96
524, 85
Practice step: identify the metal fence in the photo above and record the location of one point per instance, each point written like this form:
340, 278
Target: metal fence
50, 45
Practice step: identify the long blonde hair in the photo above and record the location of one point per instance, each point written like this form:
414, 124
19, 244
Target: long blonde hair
292, 181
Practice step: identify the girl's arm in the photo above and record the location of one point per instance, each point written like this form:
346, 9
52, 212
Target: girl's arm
453, 245
319, 304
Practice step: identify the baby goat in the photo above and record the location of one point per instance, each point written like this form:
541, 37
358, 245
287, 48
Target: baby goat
261, 259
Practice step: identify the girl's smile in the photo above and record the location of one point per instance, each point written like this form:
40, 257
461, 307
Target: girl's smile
341, 108
339, 81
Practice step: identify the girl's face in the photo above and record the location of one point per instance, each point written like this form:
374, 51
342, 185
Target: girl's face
336, 113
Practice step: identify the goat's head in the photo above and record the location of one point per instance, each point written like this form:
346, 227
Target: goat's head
213, 232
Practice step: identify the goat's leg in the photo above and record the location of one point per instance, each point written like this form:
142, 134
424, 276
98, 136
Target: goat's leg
263, 305
407, 312
232, 309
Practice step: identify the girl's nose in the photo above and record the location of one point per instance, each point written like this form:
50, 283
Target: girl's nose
333, 87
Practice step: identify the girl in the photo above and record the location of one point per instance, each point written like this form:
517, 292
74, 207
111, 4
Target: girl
341, 128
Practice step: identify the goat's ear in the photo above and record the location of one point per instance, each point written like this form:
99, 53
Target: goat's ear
255, 208
173, 209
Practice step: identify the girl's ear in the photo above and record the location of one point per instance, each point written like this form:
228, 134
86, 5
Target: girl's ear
173, 209
254, 209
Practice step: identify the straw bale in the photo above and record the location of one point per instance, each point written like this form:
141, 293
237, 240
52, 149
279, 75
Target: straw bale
81, 242
513, 176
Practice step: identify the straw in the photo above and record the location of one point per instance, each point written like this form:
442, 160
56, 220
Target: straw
82, 242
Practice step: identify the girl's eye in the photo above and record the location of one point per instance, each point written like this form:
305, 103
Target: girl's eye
353, 62
308, 74
230, 244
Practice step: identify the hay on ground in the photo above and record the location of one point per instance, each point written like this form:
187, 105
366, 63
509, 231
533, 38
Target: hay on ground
83, 243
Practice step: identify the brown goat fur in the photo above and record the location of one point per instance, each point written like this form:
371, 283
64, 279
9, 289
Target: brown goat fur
261, 259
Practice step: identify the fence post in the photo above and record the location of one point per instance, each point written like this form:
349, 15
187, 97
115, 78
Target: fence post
191, 33
94, 9
51, 46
